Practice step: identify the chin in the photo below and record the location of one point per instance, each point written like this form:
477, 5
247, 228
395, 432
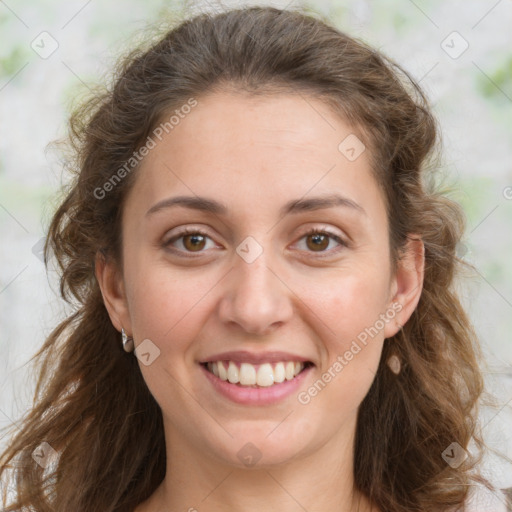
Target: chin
255, 449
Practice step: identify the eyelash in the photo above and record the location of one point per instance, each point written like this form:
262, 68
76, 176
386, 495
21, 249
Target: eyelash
313, 231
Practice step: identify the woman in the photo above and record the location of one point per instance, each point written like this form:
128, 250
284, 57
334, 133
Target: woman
265, 313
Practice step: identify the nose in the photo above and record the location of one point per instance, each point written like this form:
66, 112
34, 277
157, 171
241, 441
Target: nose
256, 297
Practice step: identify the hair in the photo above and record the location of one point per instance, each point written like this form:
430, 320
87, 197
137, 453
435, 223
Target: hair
91, 403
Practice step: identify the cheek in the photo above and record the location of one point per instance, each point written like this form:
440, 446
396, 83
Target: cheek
351, 315
350, 302
168, 305
350, 328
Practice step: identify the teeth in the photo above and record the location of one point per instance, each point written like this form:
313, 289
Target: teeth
289, 369
223, 374
279, 373
247, 374
233, 375
264, 375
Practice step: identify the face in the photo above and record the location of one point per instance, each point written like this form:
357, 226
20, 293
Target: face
248, 282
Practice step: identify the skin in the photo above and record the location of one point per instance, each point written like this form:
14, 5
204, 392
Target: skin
254, 155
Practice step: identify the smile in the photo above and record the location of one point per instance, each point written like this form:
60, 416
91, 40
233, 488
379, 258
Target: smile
256, 375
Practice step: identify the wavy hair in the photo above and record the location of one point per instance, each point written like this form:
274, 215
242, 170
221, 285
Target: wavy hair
91, 403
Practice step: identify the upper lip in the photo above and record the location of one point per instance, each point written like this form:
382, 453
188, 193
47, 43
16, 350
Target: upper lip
244, 356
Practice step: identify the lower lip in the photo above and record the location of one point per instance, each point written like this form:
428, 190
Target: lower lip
256, 396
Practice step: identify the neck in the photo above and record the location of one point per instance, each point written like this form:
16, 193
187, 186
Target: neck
319, 480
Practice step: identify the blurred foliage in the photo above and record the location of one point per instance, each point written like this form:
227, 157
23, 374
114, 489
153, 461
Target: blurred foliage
12, 55
11, 63
497, 86
472, 195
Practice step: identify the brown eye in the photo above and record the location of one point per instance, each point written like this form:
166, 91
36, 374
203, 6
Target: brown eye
195, 242
188, 241
318, 241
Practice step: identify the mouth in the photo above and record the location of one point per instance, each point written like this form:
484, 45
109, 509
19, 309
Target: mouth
265, 375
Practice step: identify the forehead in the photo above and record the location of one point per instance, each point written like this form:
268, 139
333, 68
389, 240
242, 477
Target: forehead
274, 147
291, 123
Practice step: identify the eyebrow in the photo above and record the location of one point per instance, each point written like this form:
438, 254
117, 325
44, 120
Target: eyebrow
295, 206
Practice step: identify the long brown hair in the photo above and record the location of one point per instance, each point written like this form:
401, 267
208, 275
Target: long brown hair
91, 403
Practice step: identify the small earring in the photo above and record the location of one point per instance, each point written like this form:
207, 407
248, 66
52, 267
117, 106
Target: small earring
127, 341
394, 364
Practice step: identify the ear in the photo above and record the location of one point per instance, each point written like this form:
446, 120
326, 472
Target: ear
407, 283
113, 291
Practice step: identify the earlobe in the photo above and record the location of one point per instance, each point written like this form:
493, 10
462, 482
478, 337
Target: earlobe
408, 282
113, 291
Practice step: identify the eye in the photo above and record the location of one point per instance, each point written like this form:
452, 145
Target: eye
192, 240
317, 240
